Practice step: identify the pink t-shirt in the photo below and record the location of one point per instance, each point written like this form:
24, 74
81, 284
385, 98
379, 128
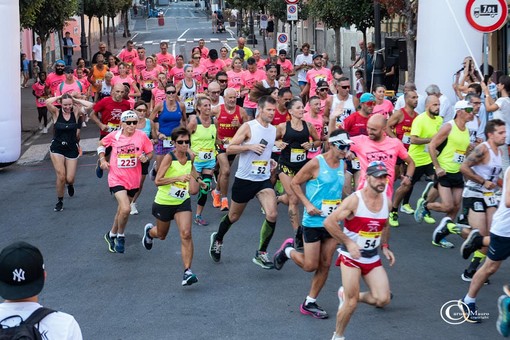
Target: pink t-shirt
114, 70
386, 108
388, 151
128, 79
250, 79
128, 56
261, 65
236, 81
204, 52
323, 106
69, 88
286, 67
198, 72
318, 124
53, 82
228, 62
213, 67
138, 66
159, 95
125, 167
38, 89
313, 76
148, 79
166, 58
85, 83
176, 74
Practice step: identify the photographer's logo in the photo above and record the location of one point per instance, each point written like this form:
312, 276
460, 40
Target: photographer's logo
456, 312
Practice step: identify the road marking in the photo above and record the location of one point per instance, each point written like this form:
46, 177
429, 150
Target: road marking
38, 152
215, 39
147, 42
179, 39
165, 41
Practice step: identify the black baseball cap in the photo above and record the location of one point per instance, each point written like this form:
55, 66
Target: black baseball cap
377, 169
68, 69
282, 51
21, 271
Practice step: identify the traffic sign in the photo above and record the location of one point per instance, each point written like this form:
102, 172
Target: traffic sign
263, 21
283, 38
292, 12
291, 2
486, 15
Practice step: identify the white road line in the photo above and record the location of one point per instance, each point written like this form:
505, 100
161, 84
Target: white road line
147, 42
179, 39
165, 40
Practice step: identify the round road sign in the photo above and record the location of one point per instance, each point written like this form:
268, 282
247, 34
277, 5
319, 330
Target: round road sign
291, 2
282, 38
486, 15
292, 9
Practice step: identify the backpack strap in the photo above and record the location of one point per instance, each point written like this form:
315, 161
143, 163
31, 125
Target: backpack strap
38, 315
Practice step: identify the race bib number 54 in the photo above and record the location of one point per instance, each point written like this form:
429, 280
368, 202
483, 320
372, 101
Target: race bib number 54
369, 240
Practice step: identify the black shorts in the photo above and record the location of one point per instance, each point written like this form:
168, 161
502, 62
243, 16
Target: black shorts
499, 248
450, 180
312, 235
421, 170
166, 213
477, 204
69, 151
244, 190
291, 172
130, 192
146, 95
145, 167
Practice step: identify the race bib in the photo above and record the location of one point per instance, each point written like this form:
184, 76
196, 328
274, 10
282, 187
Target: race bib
112, 127
490, 199
260, 168
458, 156
126, 160
313, 149
148, 85
355, 165
297, 155
41, 100
369, 240
328, 206
406, 138
205, 155
178, 191
167, 143
189, 102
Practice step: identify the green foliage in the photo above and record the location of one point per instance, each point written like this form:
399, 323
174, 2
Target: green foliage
28, 11
340, 13
53, 17
278, 8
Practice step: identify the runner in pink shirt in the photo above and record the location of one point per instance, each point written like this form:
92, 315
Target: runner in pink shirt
138, 63
148, 79
130, 148
261, 63
54, 79
124, 78
252, 76
129, 54
314, 117
286, 67
70, 85
213, 65
322, 93
236, 77
198, 71
382, 105
314, 75
203, 50
40, 93
159, 94
176, 74
224, 57
377, 146
165, 59
82, 78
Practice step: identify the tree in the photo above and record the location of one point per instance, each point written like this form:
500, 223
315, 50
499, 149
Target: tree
28, 11
125, 17
92, 8
113, 7
278, 9
407, 9
52, 20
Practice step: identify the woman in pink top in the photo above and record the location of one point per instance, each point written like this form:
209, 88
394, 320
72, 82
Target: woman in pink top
124, 77
382, 105
112, 65
176, 74
198, 71
224, 57
236, 79
148, 79
158, 94
314, 117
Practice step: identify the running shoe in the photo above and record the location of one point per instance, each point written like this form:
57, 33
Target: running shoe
341, 297
441, 230
224, 204
467, 276
393, 220
147, 239
503, 323
200, 221
426, 191
407, 209
99, 171
280, 257
45, 130
120, 244
59, 206
189, 278
134, 210
444, 244
469, 311
420, 211
110, 241
152, 171
262, 259
473, 242
313, 309
216, 198
429, 219
70, 190
215, 248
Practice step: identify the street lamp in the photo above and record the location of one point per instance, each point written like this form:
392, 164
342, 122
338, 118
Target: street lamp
83, 38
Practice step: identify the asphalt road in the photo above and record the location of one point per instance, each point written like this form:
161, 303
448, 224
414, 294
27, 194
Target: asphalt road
138, 295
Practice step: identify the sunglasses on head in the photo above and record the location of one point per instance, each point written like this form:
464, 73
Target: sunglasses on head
171, 92
182, 141
131, 122
369, 104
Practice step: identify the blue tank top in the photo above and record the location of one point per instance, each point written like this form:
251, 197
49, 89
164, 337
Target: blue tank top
147, 128
324, 192
169, 120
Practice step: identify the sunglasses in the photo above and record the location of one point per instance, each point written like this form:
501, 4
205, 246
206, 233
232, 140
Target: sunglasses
323, 89
182, 141
196, 57
222, 80
171, 92
141, 110
342, 147
346, 87
369, 104
131, 122
468, 109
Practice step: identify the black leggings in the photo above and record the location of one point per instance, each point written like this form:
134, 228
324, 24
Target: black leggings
43, 114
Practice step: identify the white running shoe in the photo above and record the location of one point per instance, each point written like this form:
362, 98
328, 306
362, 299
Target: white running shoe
134, 211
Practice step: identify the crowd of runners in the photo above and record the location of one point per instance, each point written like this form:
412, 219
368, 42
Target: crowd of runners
343, 161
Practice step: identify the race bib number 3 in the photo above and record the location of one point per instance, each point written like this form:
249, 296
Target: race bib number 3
297, 155
369, 240
125, 161
178, 191
355, 164
458, 156
328, 206
259, 168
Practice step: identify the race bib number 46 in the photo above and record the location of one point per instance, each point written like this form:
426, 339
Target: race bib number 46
178, 191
